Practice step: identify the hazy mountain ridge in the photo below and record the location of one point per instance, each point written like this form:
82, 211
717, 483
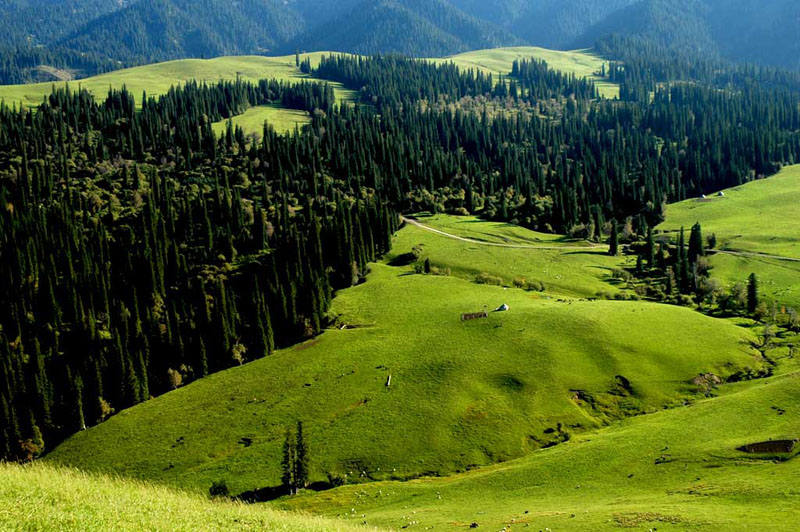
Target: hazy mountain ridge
411, 27
141, 31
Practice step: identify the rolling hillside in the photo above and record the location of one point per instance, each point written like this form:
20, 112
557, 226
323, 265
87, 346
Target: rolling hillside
677, 470
77, 501
582, 63
462, 394
757, 231
158, 78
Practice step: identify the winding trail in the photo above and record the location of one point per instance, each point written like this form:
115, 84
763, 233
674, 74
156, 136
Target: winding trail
588, 247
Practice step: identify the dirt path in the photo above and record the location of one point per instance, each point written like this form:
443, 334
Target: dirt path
594, 247
590, 247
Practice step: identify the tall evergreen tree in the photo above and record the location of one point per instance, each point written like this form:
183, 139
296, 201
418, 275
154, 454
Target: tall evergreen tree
752, 293
301, 469
613, 240
695, 244
288, 468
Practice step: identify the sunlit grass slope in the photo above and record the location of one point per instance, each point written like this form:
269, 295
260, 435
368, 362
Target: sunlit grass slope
462, 393
42, 498
676, 470
157, 78
252, 121
582, 63
759, 217
563, 266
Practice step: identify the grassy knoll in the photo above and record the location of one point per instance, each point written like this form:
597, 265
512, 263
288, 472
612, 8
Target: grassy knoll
759, 217
676, 470
461, 394
582, 63
34, 498
252, 120
577, 269
157, 78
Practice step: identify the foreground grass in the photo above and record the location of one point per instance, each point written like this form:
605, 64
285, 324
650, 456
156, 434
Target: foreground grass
582, 63
44, 498
676, 470
759, 217
461, 394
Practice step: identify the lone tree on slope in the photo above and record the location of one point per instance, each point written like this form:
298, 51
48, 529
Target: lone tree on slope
752, 293
294, 466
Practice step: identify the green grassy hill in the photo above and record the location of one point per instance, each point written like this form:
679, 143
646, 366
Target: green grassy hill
757, 218
582, 63
44, 498
157, 78
560, 265
676, 470
462, 394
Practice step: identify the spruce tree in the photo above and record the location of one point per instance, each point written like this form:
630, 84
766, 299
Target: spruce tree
288, 465
301, 459
614, 240
695, 244
752, 293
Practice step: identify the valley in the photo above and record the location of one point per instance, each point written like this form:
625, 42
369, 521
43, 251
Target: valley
473, 285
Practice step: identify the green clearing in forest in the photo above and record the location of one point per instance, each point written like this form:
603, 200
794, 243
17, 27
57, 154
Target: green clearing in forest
582, 63
252, 120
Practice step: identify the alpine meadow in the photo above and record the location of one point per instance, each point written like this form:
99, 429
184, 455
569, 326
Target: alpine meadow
400, 264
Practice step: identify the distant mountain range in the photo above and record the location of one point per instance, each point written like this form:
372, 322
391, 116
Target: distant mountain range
140, 31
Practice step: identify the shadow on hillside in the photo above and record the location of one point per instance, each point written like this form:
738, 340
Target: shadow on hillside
275, 492
405, 259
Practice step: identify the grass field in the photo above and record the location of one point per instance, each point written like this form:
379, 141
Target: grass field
252, 120
41, 498
462, 394
676, 470
582, 63
577, 270
759, 217
156, 79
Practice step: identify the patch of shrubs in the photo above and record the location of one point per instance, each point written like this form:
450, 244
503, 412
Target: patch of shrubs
530, 286
219, 489
485, 278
